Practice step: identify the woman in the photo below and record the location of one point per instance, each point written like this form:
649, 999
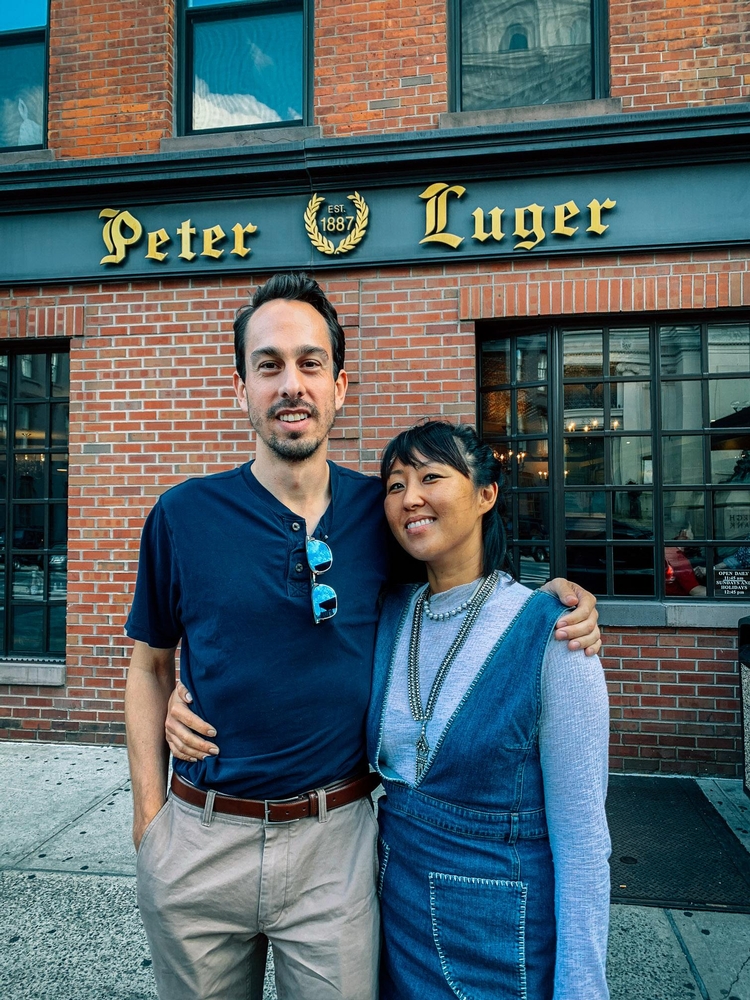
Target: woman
492, 746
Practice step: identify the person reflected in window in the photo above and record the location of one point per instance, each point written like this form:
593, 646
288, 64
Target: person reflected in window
681, 579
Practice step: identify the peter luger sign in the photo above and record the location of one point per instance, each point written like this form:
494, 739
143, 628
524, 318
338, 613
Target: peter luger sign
336, 228
442, 220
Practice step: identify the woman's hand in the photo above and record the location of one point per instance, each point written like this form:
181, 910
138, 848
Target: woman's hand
579, 625
183, 728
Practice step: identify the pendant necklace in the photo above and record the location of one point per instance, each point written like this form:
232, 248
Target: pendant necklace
423, 715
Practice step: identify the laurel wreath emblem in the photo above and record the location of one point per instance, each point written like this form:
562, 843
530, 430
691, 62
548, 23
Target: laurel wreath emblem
321, 242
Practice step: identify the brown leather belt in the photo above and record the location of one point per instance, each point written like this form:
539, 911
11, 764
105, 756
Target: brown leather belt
280, 810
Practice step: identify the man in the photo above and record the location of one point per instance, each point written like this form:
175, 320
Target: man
279, 660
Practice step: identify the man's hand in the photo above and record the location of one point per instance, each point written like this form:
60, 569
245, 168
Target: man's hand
579, 625
184, 729
141, 820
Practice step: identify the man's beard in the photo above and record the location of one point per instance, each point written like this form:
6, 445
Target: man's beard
292, 448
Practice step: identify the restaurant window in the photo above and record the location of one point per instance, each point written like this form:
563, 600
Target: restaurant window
626, 448
245, 64
516, 53
23, 73
34, 391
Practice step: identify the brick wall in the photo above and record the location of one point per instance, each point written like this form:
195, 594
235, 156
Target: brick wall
674, 697
671, 55
110, 76
151, 403
378, 67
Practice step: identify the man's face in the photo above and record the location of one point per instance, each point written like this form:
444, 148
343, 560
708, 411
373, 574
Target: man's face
289, 392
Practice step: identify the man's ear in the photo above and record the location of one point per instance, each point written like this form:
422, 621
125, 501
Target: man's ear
340, 385
240, 391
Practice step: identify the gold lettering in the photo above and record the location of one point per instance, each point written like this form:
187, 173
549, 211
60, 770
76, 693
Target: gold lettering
536, 227
239, 242
155, 240
563, 214
436, 214
210, 237
185, 231
496, 221
596, 208
113, 236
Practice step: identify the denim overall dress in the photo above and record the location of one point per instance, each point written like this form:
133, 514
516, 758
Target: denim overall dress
466, 878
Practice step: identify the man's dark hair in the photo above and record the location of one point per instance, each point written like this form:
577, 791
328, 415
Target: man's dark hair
293, 287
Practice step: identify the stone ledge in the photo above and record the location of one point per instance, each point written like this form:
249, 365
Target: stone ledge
532, 113
232, 140
689, 614
32, 672
12, 157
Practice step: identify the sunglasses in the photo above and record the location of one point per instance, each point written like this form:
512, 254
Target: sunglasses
324, 600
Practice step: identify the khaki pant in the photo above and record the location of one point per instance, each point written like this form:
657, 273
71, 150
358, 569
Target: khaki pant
214, 889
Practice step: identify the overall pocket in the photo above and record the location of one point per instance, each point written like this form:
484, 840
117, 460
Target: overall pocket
478, 925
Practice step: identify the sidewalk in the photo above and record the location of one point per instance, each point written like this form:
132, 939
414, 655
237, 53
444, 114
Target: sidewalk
69, 927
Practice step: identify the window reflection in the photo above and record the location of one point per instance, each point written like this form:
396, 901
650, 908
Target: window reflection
587, 565
729, 402
633, 570
681, 408
728, 347
521, 52
682, 459
630, 406
531, 358
681, 508
629, 351
531, 409
247, 71
732, 514
585, 514
532, 463
584, 460
730, 458
584, 407
680, 348
582, 353
684, 567
632, 463
496, 412
496, 363
633, 515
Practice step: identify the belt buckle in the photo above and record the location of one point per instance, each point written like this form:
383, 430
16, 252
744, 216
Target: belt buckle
279, 802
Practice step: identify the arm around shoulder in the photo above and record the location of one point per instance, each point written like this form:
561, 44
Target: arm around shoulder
151, 677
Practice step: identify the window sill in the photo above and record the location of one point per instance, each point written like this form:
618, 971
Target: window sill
687, 614
35, 672
10, 157
233, 140
532, 113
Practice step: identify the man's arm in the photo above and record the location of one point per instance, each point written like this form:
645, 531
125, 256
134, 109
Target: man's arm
579, 625
150, 682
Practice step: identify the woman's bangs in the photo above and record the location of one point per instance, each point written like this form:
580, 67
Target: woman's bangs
434, 441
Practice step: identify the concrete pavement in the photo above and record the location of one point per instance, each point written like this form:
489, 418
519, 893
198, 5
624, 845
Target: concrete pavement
70, 930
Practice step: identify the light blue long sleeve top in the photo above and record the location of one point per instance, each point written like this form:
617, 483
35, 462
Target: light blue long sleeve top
573, 747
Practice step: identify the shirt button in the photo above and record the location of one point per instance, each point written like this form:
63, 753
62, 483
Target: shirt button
299, 567
295, 526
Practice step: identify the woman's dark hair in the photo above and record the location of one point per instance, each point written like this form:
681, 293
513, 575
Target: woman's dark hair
459, 446
293, 287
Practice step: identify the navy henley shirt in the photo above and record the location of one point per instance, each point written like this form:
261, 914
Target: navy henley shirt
223, 570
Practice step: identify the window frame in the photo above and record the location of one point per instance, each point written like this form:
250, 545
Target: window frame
24, 36
600, 68
554, 327
231, 11
14, 350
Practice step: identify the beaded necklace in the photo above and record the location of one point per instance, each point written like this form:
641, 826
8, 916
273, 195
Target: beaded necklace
473, 606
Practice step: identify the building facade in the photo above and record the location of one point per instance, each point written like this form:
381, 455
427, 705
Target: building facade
533, 217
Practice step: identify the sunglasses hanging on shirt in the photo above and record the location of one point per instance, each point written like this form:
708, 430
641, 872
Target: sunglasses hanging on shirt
324, 600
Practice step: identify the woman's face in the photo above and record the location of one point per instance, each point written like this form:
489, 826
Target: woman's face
435, 512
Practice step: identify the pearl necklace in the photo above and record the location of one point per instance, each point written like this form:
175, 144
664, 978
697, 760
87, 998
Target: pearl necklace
442, 616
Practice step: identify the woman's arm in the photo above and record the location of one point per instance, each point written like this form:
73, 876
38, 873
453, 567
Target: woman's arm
573, 744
